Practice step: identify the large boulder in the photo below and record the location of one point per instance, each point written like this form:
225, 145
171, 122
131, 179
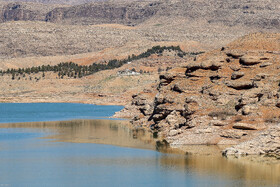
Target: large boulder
246, 126
250, 60
237, 75
234, 54
240, 85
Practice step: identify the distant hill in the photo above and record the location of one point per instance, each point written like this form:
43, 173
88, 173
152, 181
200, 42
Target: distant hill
52, 29
257, 13
68, 2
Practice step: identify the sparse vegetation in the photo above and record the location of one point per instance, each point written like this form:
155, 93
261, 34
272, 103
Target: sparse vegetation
73, 70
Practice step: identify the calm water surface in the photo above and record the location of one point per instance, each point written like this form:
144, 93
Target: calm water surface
108, 153
30, 112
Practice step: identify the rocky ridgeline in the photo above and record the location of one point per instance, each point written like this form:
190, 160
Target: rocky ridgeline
68, 2
99, 13
91, 13
17, 11
258, 14
34, 29
227, 96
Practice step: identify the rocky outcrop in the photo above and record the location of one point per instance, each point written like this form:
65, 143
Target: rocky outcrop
250, 60
257, 14
18, 11
245, 126
108, 12
140, 108
15, 12
267, 142
240, 85
214, 100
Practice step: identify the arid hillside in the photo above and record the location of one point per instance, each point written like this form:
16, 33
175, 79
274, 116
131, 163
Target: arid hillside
66, 2
34, 29
258, 13
114, 86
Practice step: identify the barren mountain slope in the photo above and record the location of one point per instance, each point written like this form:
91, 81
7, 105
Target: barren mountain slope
258, 13
27, 39
57, 43
66, 2
210, 23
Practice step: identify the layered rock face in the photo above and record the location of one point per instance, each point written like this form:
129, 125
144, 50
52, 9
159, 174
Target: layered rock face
140, 108
100, 13
18, 11
226, 96
258, 14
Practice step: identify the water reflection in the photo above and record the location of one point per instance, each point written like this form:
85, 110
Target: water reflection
204, 161
110, 132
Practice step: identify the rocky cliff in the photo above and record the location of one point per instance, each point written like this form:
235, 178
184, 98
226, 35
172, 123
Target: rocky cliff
258, 14
108, 12
255, 14
17, 11
227, 96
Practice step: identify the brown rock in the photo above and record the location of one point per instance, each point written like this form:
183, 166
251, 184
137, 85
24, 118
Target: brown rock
260, 76
174, 132
265, 64
234, 54
206, 65
249, 60
235, 67
175, 120
246, 126
266, 142
235, 134
217, 123
237, 75
240, 85
248, 109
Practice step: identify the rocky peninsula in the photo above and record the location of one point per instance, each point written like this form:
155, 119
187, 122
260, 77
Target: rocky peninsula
229, 96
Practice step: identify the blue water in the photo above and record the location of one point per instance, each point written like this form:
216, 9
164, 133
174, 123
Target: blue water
27, 160
31, 112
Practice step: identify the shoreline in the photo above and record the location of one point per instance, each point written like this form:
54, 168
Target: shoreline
197, 150
209, 162
177, 147
18, 100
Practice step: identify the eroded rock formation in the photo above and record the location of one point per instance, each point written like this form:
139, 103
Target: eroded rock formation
226, 96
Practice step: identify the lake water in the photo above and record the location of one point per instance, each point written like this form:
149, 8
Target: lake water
95, 152
30, 112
